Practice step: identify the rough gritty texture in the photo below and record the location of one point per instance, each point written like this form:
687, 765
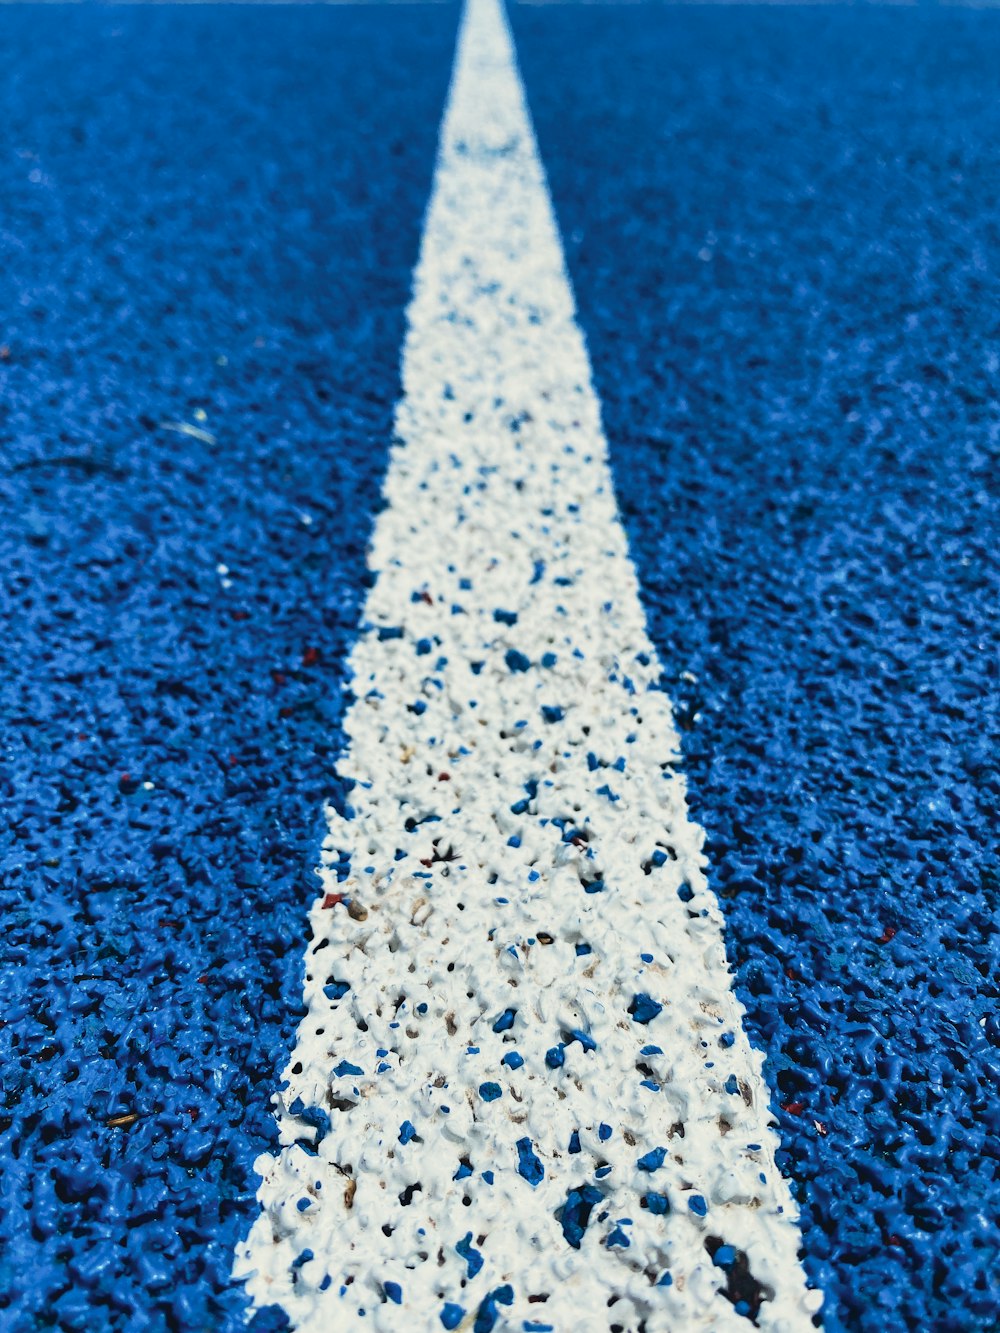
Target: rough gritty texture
789, 283
179, 185
785, 547
522, 1091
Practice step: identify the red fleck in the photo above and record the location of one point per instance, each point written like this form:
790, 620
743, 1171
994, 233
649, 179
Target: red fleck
578, 841
240, 615
231, 760
203, 979
285, 712
193, 1112
894, 1240
820, 1128
886, 935
278, 677
794, 1108
791, 974
310, 657
444, 777
333, 899
4, 353
427, 598
428, 863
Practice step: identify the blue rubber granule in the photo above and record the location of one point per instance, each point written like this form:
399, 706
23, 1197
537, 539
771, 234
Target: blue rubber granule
451, 1315
314, 1116
220, 235
657, 1203
789, 286
394, 1292
516, 661
506, 1021
472, 1257
487, 1314
586, 1041
724, 1256
302, 1258
528, 1164
346, 1070
652, 1160
575, 1213
644, 1008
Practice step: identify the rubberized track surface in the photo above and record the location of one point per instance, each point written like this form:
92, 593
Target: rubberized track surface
789, 284
781, 227
209, 180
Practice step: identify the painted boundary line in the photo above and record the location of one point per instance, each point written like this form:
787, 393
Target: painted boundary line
522, 1097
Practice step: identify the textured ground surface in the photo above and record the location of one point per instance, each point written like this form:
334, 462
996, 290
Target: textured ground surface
515, 917
783, 233
180, 185
789, 284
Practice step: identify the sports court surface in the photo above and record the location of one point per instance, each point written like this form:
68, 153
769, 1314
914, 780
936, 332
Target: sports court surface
472, 452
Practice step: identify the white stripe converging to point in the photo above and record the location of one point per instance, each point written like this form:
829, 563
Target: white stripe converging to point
522, 1097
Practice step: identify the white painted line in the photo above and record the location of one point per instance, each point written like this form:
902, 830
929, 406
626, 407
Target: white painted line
522, 1097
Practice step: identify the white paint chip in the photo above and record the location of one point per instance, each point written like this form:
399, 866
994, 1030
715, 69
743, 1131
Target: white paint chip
522, 1097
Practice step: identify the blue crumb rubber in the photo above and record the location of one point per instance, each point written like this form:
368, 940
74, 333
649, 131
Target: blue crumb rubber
210, 220
781, 225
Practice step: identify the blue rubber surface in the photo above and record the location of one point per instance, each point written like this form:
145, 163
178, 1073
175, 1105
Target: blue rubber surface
207, 211
783, 232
